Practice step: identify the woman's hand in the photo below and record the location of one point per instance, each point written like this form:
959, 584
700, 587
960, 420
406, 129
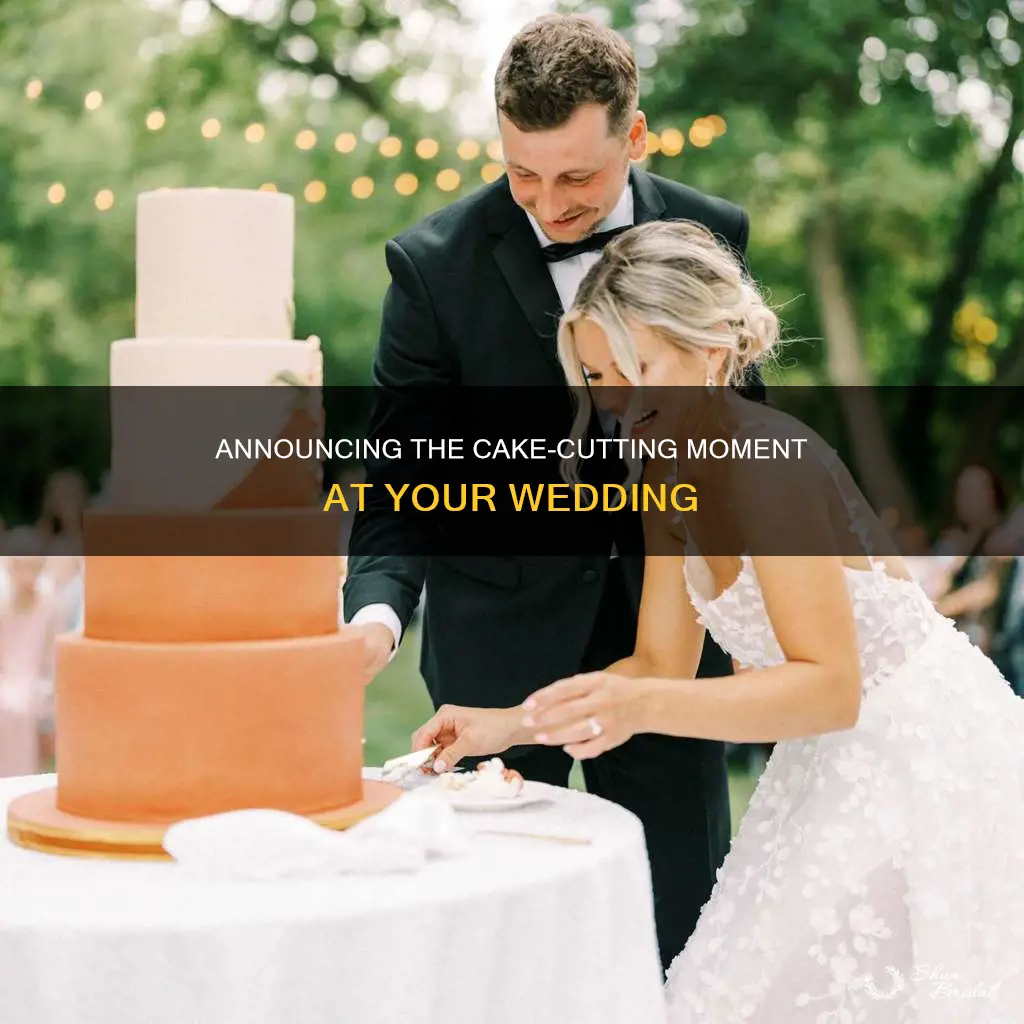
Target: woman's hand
586, 714
469, 732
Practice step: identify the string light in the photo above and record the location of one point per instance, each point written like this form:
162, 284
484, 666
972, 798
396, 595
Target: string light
717, 124
672, 142
362, 188
406, 184
669, 142
448, 180
427, 149
702, 132
315, 191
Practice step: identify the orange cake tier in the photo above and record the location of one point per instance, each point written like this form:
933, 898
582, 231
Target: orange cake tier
197, 598
154, 733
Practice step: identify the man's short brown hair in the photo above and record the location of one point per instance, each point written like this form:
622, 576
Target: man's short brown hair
559, 63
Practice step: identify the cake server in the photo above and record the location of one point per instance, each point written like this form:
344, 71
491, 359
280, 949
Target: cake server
409, 762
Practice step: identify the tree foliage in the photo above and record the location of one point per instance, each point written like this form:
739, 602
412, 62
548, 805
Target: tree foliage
875, 143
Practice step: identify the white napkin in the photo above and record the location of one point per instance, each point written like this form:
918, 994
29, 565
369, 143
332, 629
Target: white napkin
268, 844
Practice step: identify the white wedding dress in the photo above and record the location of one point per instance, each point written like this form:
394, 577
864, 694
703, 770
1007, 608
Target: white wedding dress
878, 874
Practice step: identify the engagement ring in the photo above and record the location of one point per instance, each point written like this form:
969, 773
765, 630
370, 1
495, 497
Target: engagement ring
595, 727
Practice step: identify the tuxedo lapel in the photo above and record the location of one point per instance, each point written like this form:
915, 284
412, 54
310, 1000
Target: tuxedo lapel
525, 271
648, 204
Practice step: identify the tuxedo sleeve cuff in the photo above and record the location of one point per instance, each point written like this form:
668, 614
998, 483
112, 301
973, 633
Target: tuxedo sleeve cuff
383, 614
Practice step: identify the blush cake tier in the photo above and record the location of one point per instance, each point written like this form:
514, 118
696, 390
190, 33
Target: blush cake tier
152, 733
211, 674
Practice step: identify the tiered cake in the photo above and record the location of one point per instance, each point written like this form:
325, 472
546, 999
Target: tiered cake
206, 682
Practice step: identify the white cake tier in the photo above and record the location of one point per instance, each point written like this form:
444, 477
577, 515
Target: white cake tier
165, 438
214, 263
199, 362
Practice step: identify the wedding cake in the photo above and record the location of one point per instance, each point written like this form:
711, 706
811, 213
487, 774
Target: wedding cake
206, 681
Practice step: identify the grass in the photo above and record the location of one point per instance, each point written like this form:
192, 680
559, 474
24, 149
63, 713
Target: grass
397, 704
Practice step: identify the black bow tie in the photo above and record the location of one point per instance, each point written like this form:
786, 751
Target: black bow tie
558, 251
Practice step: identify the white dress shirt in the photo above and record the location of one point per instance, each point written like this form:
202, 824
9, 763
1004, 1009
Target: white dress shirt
567, 276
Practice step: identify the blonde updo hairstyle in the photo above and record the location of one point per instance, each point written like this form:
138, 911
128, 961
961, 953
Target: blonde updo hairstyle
675, 278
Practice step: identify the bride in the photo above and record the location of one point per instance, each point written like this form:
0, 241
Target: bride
878, 874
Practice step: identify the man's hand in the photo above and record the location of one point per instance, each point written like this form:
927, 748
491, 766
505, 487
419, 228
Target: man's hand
380, 642
468, 732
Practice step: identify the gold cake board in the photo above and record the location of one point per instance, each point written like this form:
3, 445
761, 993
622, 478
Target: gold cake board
35, 823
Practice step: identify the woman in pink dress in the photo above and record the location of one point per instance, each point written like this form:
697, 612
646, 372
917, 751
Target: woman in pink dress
28, 626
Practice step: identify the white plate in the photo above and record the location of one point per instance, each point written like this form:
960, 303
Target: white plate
409, 781
531, 793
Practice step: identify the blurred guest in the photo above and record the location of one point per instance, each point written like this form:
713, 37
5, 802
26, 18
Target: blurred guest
931, 571
29, 621
1008, 539
64, 573
980, 504
64, 501
1007, 649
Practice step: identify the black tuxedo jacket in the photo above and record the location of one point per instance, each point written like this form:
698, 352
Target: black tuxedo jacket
472, 304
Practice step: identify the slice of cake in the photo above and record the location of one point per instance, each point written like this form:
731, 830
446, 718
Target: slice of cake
491, 780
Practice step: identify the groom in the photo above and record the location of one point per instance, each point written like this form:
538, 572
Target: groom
477, 289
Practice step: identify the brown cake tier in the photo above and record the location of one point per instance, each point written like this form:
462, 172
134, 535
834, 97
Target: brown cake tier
121, 532
154, 733
189, 598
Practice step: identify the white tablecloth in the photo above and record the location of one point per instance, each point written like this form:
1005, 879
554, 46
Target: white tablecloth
516, 932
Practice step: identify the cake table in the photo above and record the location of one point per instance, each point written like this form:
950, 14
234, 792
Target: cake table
517, 930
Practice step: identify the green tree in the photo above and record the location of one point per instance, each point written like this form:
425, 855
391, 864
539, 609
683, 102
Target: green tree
873, 142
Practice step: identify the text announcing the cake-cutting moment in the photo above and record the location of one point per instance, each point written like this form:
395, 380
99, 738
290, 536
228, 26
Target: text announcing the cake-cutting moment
670, 494
522, 448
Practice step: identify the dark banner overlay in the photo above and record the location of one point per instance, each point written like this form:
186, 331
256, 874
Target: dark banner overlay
504, 472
